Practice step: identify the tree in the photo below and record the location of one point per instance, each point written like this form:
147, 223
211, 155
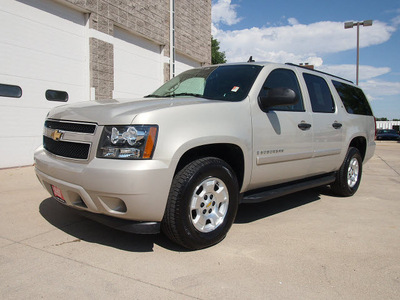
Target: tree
217, 57
381, 119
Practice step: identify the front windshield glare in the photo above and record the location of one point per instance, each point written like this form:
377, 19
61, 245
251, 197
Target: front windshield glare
229, 83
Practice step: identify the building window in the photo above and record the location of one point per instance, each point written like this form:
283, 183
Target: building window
53, 95
12, 91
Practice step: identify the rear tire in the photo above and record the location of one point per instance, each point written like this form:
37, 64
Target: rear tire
202, 204
349, 175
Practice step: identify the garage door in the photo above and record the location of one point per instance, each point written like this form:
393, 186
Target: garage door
183, 63
138, 67
43, 49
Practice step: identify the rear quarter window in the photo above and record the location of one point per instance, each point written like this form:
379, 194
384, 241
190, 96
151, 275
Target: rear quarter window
353, 99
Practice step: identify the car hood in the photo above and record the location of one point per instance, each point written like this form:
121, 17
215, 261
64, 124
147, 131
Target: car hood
118, 112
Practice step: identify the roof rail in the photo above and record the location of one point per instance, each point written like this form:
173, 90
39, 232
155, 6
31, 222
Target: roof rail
291, 64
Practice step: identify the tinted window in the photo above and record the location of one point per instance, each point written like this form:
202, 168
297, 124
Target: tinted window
353, 99
320, 95
12, 91
392, 131
283, 78
53, 95
230, 83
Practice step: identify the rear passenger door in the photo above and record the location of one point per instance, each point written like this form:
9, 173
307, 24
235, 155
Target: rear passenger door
328, 131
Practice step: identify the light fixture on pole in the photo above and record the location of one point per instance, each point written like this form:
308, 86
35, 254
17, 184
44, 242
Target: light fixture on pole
348, 25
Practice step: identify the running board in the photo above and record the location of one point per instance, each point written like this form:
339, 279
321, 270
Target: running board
269, 193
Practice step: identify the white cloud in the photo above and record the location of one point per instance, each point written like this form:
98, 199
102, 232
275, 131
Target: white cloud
305, 43
374, 89
379, 89
396, 21
297, 41
223, 11
349, 71
293, 21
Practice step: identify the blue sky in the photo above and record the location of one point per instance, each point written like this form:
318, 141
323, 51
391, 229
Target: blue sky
312, 31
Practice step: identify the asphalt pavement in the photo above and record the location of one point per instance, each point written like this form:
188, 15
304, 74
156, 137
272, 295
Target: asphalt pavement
309, 245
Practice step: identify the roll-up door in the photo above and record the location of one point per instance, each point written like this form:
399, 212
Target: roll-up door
43, 48
138, 67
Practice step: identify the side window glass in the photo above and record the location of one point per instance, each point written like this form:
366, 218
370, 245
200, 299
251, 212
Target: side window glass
320, 95
283, 78
53, 95
12, 91
353, 99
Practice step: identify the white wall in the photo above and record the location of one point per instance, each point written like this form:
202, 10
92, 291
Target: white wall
138, 67
184, 63
42, 46
386, 124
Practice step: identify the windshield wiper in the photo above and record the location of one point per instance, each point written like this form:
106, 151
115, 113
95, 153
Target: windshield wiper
153, 96
186, 94
176, 95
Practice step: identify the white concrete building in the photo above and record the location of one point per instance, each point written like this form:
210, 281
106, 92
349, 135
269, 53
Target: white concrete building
52, 52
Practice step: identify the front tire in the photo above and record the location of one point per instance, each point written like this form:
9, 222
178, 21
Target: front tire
202, 203
349, 175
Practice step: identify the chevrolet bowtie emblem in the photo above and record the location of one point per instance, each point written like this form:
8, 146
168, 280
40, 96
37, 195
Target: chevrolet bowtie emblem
56, 135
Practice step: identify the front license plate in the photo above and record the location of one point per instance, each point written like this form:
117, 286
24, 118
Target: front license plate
58, 194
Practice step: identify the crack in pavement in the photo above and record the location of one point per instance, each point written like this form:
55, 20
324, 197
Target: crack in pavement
389, 165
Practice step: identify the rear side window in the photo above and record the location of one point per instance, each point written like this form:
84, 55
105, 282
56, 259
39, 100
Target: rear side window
353, 99
320, 94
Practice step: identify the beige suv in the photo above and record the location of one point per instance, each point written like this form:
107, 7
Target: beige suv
183, 158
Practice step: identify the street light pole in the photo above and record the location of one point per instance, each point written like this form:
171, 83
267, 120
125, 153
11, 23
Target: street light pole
358, 51
348, 25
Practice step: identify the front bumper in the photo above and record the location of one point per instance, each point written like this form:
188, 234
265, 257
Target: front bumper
123, 225
132, 190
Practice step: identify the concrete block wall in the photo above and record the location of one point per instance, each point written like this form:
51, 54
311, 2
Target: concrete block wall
149, 19
193, 29
101, 68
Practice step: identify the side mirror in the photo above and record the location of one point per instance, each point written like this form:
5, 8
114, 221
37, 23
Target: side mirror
277, 97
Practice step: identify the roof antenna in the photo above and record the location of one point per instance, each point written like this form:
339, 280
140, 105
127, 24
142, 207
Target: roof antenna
251, 59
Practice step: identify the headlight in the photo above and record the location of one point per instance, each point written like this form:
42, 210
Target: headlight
128, 142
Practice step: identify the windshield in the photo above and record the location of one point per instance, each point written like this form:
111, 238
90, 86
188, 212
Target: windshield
229, 83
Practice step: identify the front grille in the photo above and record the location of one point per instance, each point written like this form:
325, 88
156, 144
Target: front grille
66, 149
68, 139
70, 126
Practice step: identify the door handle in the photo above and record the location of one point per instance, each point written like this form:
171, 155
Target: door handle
337, 125
304, 126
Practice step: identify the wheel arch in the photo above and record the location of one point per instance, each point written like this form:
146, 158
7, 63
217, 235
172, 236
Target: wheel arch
232, 154
361, 144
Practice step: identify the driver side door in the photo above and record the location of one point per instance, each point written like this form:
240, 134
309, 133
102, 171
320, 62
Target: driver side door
282, 136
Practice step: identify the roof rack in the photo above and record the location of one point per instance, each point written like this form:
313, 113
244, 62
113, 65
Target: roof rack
291, 64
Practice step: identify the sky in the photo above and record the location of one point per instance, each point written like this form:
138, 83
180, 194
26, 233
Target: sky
312, 31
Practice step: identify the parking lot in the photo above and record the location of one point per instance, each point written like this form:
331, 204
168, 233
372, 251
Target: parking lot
308, 245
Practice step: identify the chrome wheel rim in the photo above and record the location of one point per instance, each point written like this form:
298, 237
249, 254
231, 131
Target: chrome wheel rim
209, 204
352, 172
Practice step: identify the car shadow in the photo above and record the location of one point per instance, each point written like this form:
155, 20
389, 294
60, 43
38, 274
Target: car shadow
72, 223
248, 213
